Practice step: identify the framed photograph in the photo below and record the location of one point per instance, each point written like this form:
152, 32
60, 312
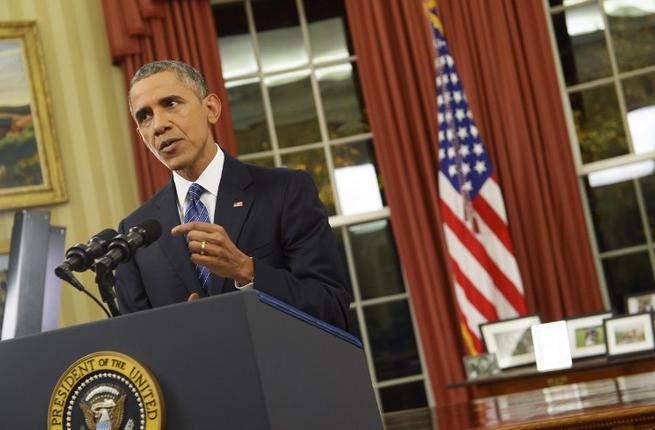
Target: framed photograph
480, 366
640, 302
551, 346
629, 334
510, 340
30, 171
587, 334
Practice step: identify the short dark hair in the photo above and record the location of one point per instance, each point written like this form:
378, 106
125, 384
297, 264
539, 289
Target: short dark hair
187, 74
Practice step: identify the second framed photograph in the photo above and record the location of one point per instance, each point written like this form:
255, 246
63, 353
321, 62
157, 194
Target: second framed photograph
629, 334
640, 302
587, 334
510, 340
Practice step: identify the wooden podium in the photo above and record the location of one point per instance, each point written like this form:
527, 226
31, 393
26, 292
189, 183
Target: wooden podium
236, 361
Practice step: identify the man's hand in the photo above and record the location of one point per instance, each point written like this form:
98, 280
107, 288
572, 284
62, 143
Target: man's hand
210, 246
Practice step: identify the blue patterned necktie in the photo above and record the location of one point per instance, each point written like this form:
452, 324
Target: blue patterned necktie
196, 211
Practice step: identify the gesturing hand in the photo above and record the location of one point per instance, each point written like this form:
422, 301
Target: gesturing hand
210, 246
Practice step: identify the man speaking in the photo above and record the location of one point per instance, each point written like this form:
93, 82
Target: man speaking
226, 225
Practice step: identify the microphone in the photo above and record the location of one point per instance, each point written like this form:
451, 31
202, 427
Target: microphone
81, 256
123, 247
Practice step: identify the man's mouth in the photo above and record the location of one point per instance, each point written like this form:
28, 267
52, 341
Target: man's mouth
168, 144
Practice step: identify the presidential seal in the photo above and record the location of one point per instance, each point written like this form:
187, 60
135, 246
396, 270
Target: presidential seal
106, 391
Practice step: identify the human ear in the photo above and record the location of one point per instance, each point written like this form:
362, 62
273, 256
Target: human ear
214, 107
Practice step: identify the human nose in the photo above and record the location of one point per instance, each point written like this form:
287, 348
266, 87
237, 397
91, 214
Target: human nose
160, 123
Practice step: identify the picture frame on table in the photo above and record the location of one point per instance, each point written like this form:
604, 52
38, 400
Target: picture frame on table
629, 334
637, 303
587, 334
30, 168
511, 340
480, 366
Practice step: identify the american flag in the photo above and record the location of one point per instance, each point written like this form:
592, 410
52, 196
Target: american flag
486, 278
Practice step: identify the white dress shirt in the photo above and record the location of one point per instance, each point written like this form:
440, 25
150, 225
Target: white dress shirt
209, 179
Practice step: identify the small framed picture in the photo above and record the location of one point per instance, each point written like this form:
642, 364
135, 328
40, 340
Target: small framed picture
587, 334
640, 302
481, 366
510, 340
629, 334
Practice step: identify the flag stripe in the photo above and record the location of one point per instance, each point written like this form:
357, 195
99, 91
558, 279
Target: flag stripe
497, 278
492, 194
472, 317
484, 209
477, 274
496, 249
484, 306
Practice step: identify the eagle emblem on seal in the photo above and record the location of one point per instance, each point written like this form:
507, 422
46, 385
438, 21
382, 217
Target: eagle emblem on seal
103, 407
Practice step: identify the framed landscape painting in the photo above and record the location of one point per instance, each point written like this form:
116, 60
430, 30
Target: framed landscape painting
30, 171
510, 340
629, 334
4, 268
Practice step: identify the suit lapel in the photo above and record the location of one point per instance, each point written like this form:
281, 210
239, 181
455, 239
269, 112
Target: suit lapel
175, 248
234, 201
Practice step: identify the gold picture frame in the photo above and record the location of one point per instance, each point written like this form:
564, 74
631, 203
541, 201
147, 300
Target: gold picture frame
30, 168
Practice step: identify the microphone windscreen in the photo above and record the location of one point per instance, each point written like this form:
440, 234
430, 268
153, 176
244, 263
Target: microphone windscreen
107, 234
152, 230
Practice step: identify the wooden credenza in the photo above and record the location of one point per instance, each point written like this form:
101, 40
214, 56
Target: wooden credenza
527, 378
620, 403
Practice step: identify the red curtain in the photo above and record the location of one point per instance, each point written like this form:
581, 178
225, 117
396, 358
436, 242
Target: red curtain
503, 53
395, 61
141, 31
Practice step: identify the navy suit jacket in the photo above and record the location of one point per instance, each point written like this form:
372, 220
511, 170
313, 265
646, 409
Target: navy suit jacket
272, 215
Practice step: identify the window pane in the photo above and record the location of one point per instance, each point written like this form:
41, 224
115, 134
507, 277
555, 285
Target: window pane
581, 43
358, 180
353, 324
648, 191
263, 161
338, 237
632, 25
568, 2
404, 396
328, 31
598, 123
343, 104
278, 33
294, 112
615, 215
237, 53
248, 118
627, 274
375, 258
313, 162
640, 103
392, 341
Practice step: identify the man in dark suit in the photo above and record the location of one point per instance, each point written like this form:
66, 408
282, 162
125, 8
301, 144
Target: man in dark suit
226, 225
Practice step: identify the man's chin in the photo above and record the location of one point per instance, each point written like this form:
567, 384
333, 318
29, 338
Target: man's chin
173, 163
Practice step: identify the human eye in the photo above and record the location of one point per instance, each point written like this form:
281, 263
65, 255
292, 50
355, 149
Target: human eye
171, 102
142, 117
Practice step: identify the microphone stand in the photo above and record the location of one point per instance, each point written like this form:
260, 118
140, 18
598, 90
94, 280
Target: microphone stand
68, 276
105, 281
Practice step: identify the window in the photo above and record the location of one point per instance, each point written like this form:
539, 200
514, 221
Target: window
606, 52
293, 87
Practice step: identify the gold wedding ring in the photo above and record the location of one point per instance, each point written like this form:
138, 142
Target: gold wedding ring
202, 247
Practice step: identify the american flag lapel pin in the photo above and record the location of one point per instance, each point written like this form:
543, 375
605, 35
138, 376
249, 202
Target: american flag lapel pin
238, 204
